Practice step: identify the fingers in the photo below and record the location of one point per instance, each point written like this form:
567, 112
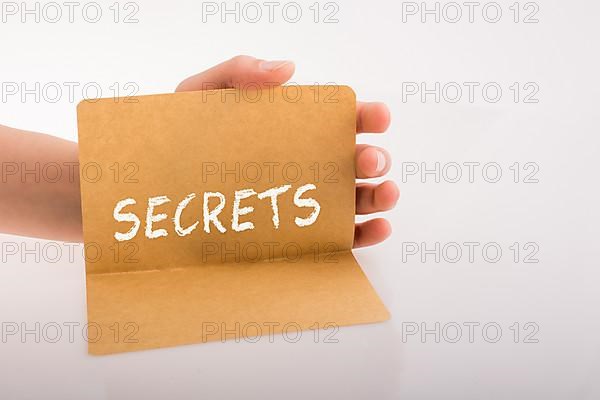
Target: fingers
372, 198
371, 161
239, 71
372, 117
371, 232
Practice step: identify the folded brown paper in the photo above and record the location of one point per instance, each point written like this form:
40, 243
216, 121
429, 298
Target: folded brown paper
218, 215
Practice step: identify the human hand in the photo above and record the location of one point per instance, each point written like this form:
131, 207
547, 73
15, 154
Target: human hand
371, 161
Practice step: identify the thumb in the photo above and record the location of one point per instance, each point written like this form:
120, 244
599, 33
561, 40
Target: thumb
240, 71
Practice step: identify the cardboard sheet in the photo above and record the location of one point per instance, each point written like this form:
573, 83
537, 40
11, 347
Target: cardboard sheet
220, 215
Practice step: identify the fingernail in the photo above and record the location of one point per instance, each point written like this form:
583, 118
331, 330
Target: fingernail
381, 161
273, 65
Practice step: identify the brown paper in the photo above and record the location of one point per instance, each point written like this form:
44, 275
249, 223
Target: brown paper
154, 292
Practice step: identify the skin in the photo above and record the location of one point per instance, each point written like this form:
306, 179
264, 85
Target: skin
51, 209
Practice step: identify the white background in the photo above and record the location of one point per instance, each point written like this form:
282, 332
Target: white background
371, 49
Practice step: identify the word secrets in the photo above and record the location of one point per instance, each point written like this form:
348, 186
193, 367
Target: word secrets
212, 216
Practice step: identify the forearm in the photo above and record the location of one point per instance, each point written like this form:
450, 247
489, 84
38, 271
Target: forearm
39, 186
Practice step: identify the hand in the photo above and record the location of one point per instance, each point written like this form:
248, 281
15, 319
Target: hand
371, 161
